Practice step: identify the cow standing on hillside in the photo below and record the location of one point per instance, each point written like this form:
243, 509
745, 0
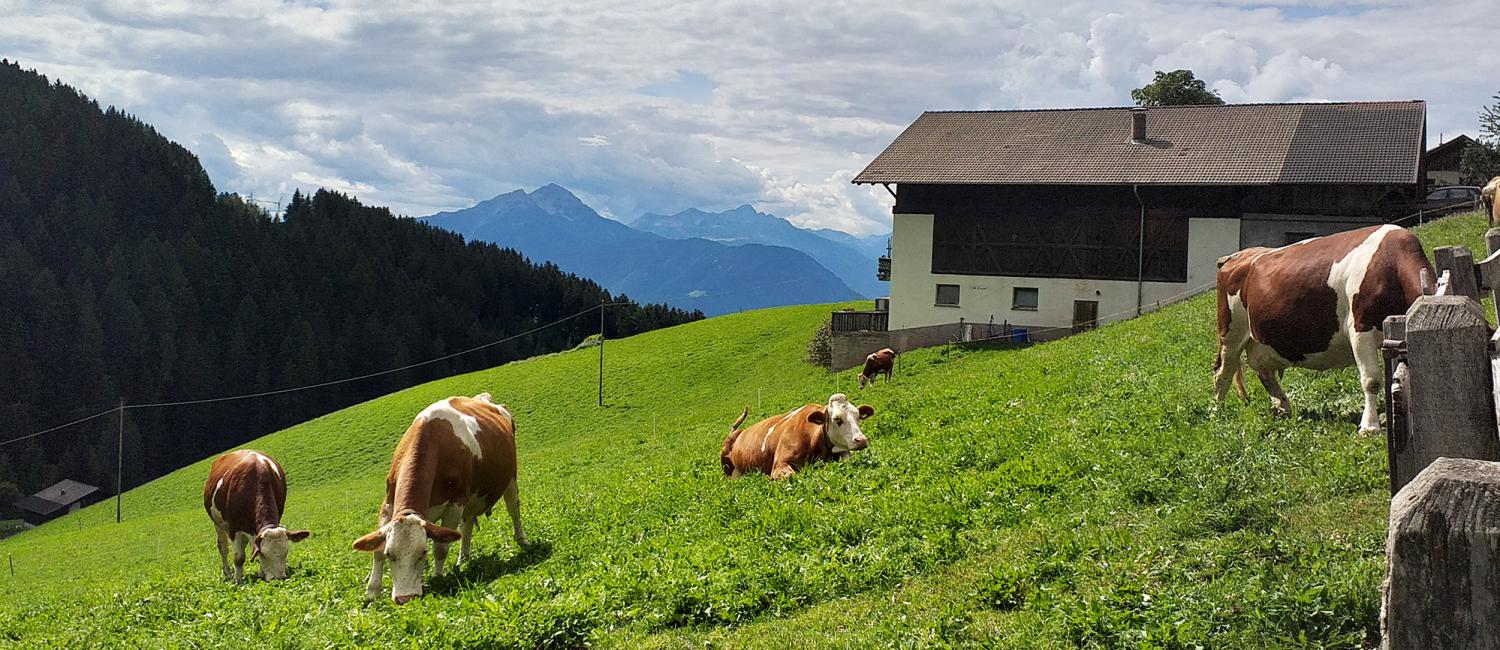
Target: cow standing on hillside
245, 495
1317, 304
782, 444
880, 361
454, 462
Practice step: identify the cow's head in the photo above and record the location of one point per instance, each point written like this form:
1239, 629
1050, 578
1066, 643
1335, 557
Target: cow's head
272, 545
403, 541
842, 423
485, 397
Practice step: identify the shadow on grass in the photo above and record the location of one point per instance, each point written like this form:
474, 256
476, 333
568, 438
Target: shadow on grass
489, 566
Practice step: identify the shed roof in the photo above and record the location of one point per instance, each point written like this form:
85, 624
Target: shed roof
59, 495
1233, 144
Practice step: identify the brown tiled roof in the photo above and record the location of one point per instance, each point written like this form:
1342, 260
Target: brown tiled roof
1236, 144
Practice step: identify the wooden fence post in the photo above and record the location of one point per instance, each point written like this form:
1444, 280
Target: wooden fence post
1393, 353
1488, 270
1442, 576
1448, 389
1460, 262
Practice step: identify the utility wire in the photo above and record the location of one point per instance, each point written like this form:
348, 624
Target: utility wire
60, 426
282, 391
310, 386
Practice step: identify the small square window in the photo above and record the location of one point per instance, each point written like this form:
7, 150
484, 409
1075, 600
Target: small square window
1294, 237
947, 294
1024, 299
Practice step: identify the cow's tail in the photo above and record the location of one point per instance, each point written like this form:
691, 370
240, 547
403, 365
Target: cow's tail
744, 414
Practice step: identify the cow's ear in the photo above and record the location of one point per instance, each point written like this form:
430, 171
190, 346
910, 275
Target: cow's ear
483, 397
299, 535
818, 416
441, 534
372, 542
865, 411
255, 548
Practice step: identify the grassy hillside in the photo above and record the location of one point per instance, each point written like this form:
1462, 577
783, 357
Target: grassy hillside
1083, 492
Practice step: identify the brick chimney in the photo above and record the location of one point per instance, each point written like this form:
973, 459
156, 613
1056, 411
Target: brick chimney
1138, 125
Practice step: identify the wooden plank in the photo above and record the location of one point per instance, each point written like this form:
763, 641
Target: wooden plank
1442, 581
1448, 392
1460, 262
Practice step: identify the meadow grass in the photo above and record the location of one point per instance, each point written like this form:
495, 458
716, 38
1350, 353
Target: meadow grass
1083, 492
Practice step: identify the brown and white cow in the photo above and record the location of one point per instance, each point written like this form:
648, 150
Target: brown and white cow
454, 462
879, 361
1318, 304
782, 444
244, 496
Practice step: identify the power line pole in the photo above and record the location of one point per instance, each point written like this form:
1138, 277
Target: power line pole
120, 466
601, 353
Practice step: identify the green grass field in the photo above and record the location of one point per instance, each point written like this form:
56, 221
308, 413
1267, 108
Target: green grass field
1078, 493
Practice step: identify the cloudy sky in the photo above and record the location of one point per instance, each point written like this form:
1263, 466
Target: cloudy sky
658, 106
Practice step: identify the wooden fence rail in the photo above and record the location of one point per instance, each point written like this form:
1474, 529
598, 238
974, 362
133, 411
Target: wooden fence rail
860, 321
1442, 587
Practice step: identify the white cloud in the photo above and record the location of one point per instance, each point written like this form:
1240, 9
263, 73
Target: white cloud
641, 105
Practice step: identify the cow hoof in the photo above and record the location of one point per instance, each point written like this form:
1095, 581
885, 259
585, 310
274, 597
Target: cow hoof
521, 541
372, 595
1371, 431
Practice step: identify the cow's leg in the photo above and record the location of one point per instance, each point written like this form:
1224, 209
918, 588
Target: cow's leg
372, 590
440, 549
222, 537
1367, 358
781, 471
513, 506
467, 530
1231, 351
1269, 370
240, 541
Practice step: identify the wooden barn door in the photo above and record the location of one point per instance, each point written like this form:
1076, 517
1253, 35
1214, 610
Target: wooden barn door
1085, 315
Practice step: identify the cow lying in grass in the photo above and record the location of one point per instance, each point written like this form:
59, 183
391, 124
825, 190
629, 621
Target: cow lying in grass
454, 462
782, 444
244, 496
1318, 304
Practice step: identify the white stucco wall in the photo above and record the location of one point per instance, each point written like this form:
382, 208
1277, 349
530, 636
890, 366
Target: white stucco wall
985, 297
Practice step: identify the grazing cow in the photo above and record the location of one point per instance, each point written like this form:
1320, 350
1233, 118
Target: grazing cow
880, 361
455, 461
782, 444
1487, 199
1318, 304
244, 496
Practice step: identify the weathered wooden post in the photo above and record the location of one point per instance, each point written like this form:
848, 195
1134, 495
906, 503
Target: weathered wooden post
1442, 576
1489, 269
1450, 406
1393, 353
1460, 262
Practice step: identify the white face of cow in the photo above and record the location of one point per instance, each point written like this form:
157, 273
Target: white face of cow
406, 551
403, 542
272, 546
842, 419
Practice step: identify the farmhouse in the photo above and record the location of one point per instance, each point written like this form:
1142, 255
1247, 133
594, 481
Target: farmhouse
61, 498
1441, 162
1046, 222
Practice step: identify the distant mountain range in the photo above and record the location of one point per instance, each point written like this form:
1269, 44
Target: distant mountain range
694, 272
847, 256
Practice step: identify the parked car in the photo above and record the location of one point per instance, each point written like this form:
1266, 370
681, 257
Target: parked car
1447, 200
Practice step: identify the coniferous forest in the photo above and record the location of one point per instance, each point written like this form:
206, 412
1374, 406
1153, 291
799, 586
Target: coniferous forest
124, 275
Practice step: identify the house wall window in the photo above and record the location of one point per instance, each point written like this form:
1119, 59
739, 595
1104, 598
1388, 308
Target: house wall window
947, 294
1024, 299
1294, 237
